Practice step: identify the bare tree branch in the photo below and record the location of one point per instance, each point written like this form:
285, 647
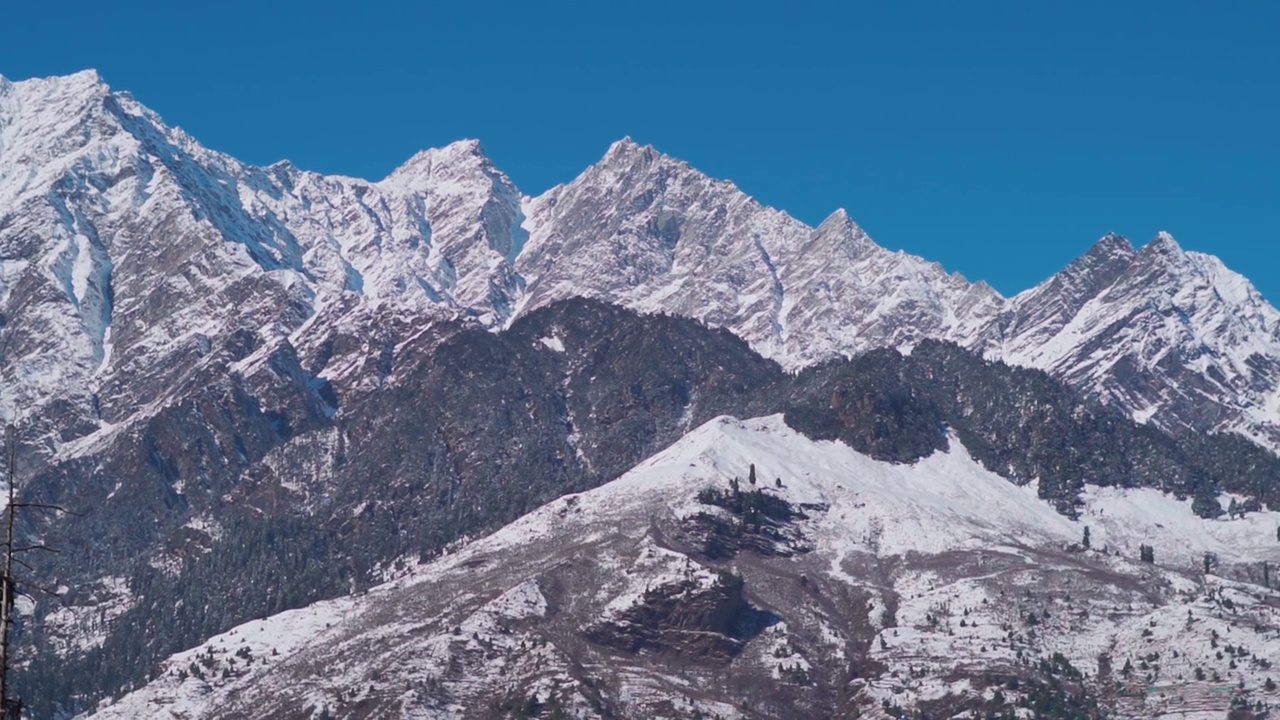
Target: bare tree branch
41, 588
44, 548
46, 506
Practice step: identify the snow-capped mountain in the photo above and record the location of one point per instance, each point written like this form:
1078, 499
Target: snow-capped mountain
648, 232
1172, 336
264, 488
129, 251
750, 572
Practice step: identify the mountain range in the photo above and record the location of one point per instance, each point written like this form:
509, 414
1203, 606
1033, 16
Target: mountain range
266, 387
128, 247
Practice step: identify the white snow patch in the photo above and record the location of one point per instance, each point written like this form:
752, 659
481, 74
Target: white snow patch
553, 343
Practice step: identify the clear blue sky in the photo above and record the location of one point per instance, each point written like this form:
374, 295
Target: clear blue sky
1000, 139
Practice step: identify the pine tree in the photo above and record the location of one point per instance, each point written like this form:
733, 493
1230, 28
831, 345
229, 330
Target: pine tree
1085, 541
1205, 502
751, 476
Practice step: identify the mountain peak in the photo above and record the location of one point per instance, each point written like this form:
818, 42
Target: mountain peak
1163, 245
840, 222
840, 216
77, 83
465, 146
86, 77
1114, 241
1109, 248
840, 226
625, 145
467, 151
627, 150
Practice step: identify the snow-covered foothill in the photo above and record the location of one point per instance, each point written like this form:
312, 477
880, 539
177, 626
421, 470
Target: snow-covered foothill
946, 574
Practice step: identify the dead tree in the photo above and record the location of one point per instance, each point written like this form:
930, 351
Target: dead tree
11, 707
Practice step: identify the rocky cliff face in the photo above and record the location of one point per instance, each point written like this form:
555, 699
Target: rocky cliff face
131, 252
648, 232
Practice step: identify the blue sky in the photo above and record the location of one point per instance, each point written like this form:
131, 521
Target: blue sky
1000, 139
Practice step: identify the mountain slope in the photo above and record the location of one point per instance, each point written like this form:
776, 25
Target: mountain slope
265, 387
859, 586
1171, 337
253, 495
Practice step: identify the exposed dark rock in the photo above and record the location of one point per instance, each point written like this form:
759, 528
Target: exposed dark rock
685, 618
754, 520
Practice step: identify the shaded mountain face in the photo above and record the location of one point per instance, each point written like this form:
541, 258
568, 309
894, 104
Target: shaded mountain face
748, 571
130, 251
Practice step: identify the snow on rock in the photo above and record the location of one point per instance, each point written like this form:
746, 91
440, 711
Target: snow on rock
523, 601
84, 621
647, 231
552, 343
1125, 518
228, 663
135, 253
